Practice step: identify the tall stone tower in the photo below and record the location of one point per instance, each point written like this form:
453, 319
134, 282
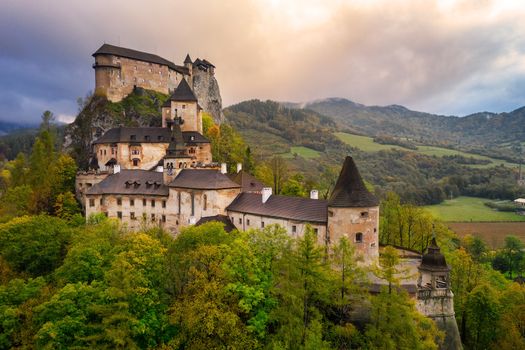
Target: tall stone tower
434, 297
353, 212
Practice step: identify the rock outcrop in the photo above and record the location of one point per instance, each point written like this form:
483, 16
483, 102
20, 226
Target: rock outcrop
206, 88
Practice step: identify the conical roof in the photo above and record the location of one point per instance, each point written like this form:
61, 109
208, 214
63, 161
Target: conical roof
183, 92
188, 59
433, 259
350, 190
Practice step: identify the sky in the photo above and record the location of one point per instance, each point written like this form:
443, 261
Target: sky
439, 56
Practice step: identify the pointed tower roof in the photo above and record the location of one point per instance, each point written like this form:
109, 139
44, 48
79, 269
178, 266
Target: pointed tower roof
188, 59
183, 92
176, 147
433, 259
350, 190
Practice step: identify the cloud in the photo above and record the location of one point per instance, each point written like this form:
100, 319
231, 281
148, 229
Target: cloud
449, 57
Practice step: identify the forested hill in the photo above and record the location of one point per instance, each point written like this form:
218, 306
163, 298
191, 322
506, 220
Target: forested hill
478, 131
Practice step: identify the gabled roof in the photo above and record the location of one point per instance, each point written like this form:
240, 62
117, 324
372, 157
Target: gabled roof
108, 49
203, 179
247, 181
155, 135
182, 93
131, 182
350, 190
286, 207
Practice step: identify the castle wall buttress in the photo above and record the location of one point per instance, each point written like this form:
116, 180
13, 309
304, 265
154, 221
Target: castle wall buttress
360, 226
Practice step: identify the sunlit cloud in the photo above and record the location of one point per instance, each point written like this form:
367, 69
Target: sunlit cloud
447, 57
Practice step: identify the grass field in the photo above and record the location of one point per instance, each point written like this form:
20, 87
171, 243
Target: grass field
367, 144
493, 233
466, 209
301, 151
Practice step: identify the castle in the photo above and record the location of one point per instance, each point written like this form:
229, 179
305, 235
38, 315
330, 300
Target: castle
166, 176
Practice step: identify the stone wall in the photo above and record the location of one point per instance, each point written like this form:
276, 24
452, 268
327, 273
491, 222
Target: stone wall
149, 154
116, 76
85, 180
351, 221
245, 222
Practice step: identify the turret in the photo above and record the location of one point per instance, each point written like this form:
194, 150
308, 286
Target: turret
183, 103
353, 212
188, 63
176, 157
434, 297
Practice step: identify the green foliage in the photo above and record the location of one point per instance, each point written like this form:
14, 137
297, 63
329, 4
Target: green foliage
35, 245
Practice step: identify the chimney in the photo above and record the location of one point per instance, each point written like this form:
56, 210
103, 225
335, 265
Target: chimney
314, 194
160, 169
266, 193
224, 168
239, 167
116, 169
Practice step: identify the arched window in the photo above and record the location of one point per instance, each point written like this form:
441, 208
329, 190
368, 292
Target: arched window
359, 237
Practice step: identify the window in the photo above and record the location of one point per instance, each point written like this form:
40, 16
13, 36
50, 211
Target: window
294, 229
164, 204
106, 214
153, 203
119, 201
204, 202
316, 231
91, 202
163, 218
135, 152
178, 202
240, 220
359, 237
160, 138
248, 222
375, 229
102, 201
147, 137
144, 202
364, 214
133, 137
131, 202
132, 215
135, 162
262, 224
233, 219
183, 106
119, 214
152, 217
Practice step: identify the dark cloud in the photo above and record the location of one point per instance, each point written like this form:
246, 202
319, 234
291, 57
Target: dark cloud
456, 58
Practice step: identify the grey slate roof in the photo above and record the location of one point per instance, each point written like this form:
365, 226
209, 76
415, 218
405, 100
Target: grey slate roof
433, 259
350, 190
131, 182
162, 135
187, 59
203, 179
286, 207
182, 93
223, 219
247, 181
108, 49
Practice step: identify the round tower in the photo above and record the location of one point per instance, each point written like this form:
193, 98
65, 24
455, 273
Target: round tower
353, 212
434, 297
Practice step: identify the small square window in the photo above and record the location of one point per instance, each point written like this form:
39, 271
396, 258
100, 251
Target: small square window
359, 237
364, 214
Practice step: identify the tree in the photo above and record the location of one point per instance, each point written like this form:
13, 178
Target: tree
483, 311
476, 247
66, 206
513, 253
35, 245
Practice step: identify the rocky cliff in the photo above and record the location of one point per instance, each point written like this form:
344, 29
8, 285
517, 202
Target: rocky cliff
206, 88
140, 108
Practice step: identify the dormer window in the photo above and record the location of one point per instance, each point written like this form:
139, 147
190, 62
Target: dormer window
192, 138
133, 137
160, 138
147, 137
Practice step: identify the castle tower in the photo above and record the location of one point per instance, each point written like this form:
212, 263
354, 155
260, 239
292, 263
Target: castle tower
176, 157
188, 63
353, 212
434, 297
183, 103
